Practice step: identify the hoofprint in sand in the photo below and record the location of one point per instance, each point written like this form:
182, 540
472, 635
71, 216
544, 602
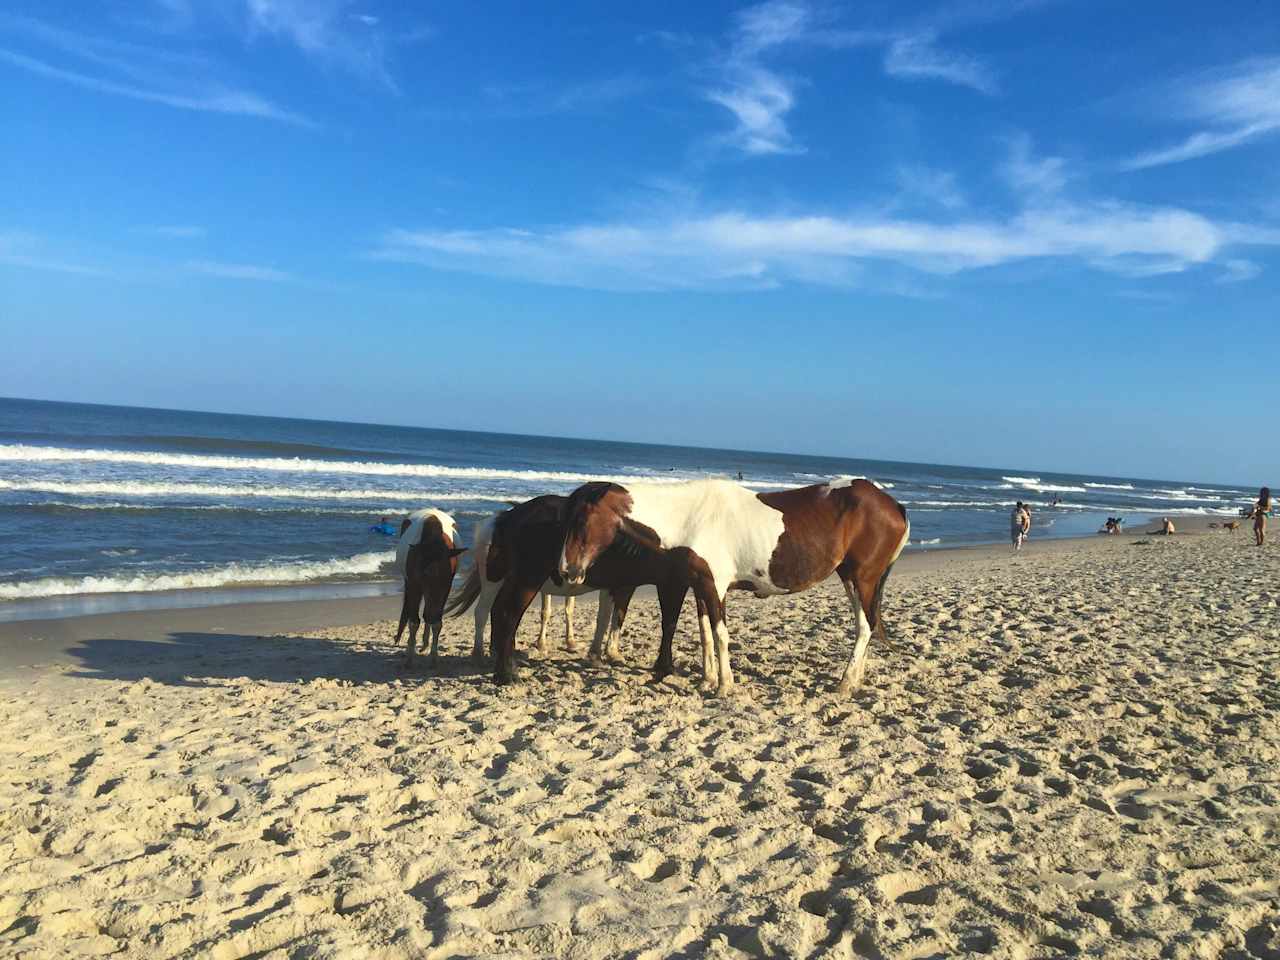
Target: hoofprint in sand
1070, 752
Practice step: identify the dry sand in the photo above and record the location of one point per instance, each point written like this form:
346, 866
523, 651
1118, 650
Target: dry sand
1073, 751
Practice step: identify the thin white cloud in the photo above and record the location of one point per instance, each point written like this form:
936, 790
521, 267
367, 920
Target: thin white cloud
237, 271
1030, 176
740, 251
177, 231
27, 251
1241, 105
919, 58
1237, 271
326, 30
936, 187
758, 97
151, 76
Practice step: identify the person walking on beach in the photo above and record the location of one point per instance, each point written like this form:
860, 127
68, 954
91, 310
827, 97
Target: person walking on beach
1019, 524
1260, 511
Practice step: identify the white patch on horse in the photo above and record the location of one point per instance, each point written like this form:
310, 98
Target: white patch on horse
413, 536
727, 525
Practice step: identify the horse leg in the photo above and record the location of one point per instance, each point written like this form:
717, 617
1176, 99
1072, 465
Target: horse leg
604, 616
670, 600
621, 600
708, 652
546, 619
570, 605
508, 607
434, 627
484, 603
725, 678
412, 601
860, 598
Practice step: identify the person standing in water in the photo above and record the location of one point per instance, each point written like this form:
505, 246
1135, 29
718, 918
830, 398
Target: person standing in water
1260, 511
1019, 524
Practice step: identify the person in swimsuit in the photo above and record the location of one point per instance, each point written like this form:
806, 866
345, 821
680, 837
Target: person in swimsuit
1260, 511
1019, 524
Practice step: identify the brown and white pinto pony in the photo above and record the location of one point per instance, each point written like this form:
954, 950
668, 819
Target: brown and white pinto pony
769, 543
428, 559
524, 552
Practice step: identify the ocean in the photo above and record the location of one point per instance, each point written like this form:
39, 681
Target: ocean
107, 508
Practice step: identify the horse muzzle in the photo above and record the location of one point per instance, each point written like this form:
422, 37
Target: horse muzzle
575, 576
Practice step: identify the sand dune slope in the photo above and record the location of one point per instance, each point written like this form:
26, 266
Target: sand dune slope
1072, 753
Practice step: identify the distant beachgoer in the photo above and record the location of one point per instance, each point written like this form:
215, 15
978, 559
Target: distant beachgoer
739, 474
1019, 524
1260, 511
1166, 527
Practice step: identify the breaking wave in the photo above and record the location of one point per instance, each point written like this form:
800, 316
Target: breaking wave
33, 454
232, 574
138, 488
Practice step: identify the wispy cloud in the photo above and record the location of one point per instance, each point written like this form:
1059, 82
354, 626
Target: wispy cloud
237, 271
176, 231
27, 251
759, 98
1240, 104
938, 187
330, 31
739, 250
919, 58
1033, 177
135, 72
1237, 271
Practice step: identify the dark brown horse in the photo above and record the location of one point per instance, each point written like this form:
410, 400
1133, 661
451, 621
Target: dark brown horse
428, 558
769, 543
523, 554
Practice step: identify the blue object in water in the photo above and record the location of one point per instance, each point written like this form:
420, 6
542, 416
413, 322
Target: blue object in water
386, 529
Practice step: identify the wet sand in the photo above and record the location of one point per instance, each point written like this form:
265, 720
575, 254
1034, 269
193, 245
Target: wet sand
1073, 750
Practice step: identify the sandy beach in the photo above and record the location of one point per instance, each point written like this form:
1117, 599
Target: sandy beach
1069, 751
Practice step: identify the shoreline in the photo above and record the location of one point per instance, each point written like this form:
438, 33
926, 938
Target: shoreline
49, 641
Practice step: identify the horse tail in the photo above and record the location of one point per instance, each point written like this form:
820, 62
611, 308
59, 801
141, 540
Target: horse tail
460, 600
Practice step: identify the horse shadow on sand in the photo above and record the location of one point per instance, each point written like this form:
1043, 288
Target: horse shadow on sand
194, 659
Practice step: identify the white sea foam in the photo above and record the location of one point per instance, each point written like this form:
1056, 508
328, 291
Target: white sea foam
33, 454
927, 543
238, 574
1021, 479
211, 507
1109, 486
137, 488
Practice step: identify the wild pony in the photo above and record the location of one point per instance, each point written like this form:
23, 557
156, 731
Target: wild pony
480, 589
769, 543
427, 557
524, 552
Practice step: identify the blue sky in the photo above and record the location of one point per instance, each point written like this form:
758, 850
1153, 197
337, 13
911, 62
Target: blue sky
1025, 234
